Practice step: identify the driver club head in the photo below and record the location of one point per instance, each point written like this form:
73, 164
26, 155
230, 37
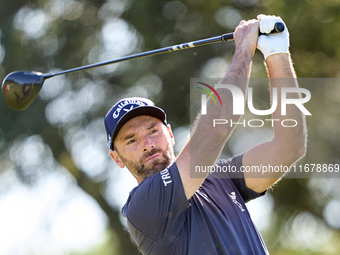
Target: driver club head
21, 88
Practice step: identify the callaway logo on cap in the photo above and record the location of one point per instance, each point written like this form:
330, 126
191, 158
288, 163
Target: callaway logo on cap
126, 109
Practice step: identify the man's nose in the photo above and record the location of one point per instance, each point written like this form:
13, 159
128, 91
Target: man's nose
148, 144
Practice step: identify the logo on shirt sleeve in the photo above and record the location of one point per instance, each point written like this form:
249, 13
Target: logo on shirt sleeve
166, 177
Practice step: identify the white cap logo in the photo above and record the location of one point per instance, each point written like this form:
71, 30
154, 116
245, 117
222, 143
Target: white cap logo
121, 105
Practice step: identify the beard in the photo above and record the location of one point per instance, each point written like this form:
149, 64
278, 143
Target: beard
140, 170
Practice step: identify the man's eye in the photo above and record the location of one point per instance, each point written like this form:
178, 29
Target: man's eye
131, 141
154, 131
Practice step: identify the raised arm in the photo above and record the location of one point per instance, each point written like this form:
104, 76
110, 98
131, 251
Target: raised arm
288, 143
206, 142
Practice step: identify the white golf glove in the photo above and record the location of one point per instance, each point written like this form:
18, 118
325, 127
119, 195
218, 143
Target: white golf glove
275, 43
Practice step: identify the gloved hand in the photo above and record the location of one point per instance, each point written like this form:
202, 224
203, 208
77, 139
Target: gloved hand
271, 44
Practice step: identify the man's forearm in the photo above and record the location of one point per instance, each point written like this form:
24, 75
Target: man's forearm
206, 142
240, 66
291, 140
237, 75
289, 143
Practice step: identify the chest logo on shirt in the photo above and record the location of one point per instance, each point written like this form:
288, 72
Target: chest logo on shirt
233, 197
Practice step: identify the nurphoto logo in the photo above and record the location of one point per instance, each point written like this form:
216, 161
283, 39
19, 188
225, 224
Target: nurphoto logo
204, 97
239, 104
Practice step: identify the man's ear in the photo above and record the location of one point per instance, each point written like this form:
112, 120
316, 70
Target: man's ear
171, 134
114, 155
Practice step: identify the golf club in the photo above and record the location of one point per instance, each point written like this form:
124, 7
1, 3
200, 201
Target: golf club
20, 88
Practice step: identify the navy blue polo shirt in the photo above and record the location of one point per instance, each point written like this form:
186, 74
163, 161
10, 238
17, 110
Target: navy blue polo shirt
214, 221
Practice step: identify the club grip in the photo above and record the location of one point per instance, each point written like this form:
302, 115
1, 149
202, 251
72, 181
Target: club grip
278, 28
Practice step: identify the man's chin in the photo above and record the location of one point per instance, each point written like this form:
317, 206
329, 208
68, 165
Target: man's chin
154, 168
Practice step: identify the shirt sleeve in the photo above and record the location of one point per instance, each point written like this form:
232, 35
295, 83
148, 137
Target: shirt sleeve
231, 169
156, 207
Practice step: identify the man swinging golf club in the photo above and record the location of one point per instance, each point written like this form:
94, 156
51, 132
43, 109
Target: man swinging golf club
170, 212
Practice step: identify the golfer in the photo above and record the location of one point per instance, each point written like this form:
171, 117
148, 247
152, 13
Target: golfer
170, 212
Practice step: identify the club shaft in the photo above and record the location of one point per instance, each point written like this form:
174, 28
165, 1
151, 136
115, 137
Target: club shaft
279, 27
183, 46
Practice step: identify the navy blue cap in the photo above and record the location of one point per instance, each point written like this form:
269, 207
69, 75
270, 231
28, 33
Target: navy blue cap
126, 109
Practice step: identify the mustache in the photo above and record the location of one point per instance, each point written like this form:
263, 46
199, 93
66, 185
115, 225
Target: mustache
150, 153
